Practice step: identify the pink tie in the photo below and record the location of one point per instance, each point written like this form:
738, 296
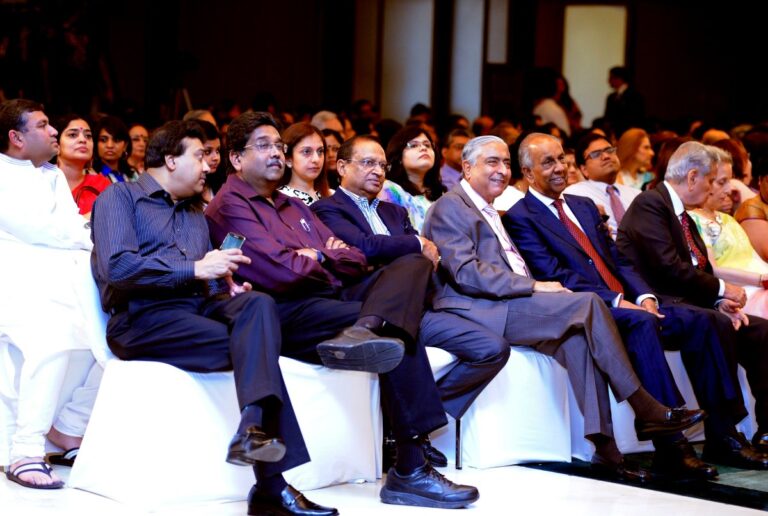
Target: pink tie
616, 207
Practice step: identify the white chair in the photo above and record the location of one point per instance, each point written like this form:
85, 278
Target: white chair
523, 414
158, 435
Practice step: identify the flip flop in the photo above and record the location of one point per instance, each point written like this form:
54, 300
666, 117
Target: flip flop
39, 467
66, 458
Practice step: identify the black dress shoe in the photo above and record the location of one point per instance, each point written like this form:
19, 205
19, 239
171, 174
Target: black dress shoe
432, 454
760, 442
676, 420
734, 451
359, 349
290, 501
624, 470
680, 460
254, 446
425, 487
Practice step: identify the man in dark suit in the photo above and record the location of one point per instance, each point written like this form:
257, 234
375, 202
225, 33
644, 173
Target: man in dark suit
483, 277
562, 238
383, 232
624, 108
660, 239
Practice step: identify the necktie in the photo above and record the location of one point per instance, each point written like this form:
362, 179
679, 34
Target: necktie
582, 239
616, 207
701, 259
507, 244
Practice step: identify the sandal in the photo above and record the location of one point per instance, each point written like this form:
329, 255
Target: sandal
39, 467
66, 458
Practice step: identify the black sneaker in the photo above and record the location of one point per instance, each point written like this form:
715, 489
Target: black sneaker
426, 487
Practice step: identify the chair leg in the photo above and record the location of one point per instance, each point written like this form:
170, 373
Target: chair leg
458, 443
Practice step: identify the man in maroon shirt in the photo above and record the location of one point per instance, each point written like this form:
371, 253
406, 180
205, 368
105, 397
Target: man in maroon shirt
322, 286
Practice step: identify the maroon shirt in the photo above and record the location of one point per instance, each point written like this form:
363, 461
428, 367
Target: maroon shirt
273, 233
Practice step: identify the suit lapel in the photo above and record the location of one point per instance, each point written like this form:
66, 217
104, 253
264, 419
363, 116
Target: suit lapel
387, 217
548, 220
349, 206
465, 198
677, 227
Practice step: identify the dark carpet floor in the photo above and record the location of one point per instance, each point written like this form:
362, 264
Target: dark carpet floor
733, 486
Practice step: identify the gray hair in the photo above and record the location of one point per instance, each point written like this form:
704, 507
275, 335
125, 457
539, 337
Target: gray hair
690, 156
321, 118
474, 146
524, 151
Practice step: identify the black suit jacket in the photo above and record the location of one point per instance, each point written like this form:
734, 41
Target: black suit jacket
340, 213
552, 254
625, 110
651, 236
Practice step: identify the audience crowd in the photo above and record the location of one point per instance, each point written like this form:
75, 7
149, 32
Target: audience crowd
359, 242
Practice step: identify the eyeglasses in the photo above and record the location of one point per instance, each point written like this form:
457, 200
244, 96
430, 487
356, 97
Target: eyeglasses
416, 145
595, 154
307, 152
368, 165
266, 146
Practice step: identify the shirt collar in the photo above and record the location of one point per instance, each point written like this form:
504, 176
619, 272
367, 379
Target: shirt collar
149, 184
359, 199
677, 203
546, 201
241, 186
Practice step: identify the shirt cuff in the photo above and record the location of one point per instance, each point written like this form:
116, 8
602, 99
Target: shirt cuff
721, 292
421, 244
643, 297
617, 300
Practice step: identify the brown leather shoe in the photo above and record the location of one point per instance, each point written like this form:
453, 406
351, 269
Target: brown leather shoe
736, 451
676, 420
680, 460
760, 442
624, 470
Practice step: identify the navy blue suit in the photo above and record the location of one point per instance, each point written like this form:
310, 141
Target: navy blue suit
481, 353
553, 254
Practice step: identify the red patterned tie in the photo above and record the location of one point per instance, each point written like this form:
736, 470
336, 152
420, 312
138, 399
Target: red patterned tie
701, 258
583, 240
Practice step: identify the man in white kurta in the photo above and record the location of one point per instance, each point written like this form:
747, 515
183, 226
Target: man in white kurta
48, 298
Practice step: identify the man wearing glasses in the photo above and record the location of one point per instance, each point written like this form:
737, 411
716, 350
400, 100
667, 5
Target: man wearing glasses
597, 160
324, 288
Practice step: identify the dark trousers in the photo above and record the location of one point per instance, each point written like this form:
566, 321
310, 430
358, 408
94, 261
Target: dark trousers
218, 334
396, 294
481, 353
692, 332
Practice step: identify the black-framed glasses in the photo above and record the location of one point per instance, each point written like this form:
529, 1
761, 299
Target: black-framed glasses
596, 154
368, 165
266, 146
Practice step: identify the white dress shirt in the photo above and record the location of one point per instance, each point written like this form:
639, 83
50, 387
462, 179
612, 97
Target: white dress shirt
596, 190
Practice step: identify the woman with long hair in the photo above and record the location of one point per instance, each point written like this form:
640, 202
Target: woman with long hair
74, 159
414, 180
139, 139
305, 176
636, 157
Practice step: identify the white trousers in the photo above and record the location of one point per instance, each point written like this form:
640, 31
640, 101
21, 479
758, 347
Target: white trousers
31, 392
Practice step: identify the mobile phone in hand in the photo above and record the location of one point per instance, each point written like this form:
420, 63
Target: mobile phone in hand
232, 241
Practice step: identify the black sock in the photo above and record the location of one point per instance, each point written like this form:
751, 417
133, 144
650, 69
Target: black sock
409, 456
251, 415
271, 485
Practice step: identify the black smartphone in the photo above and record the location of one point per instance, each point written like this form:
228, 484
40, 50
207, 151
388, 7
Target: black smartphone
232, 241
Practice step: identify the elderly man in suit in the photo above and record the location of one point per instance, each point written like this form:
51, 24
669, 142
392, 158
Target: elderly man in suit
383, 232
483, 277
561, 238
660, 239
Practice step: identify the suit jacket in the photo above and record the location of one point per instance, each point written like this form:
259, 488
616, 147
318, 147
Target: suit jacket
340, 213
474, 273
552, 254
625, 110
651, 237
